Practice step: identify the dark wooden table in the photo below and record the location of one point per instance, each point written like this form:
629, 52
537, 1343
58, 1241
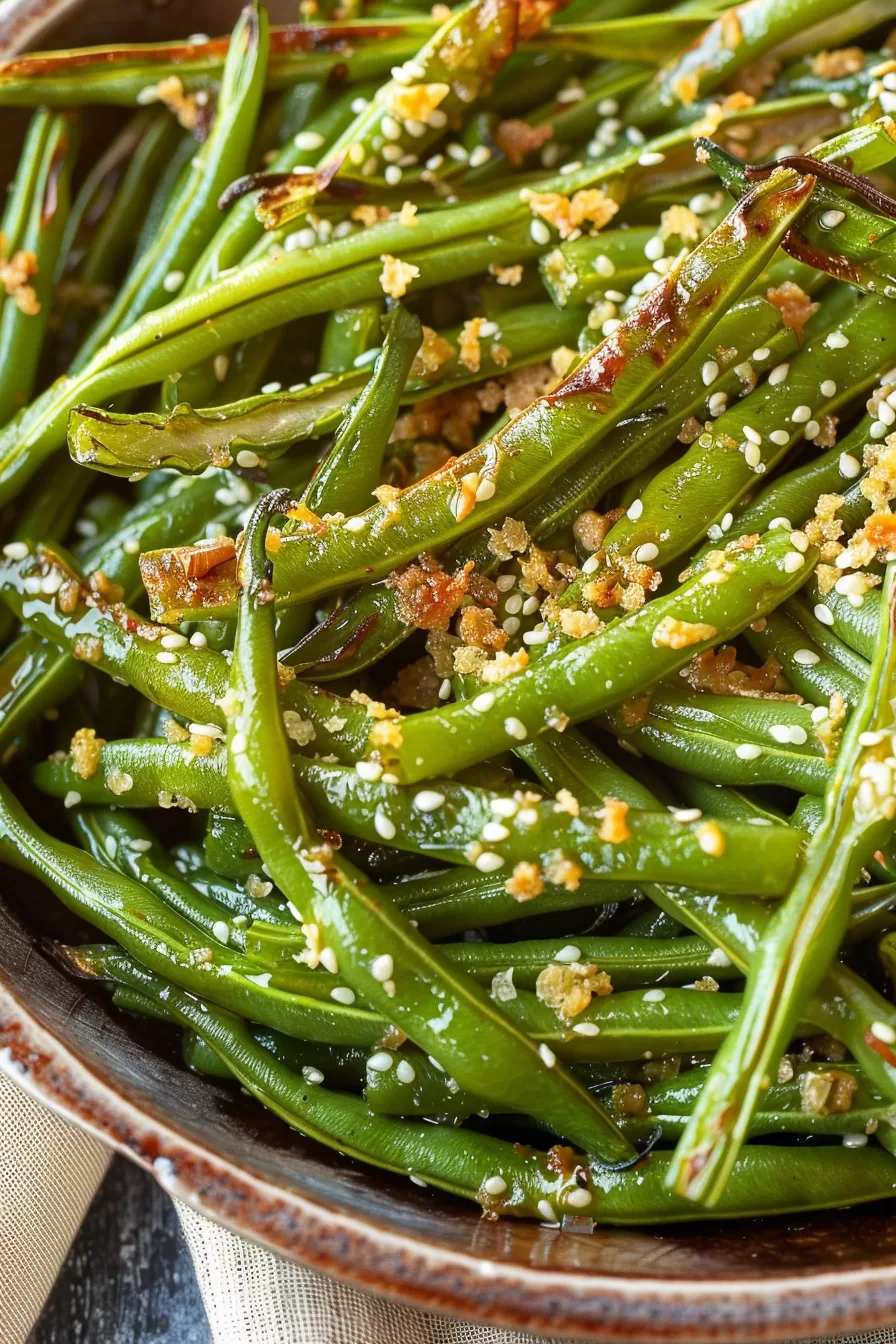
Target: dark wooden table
128, 1278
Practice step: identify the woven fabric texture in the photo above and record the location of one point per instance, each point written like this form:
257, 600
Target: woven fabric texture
49, 1173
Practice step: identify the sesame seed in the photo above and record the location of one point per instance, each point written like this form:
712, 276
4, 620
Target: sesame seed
710, 372
779, 437
792, 562
646, 552
71, 799
382, 967
654, 996
812, 430
718, 403
780, 732
849, 466
539, 232
511, 626
480, 155
342, 994
886, 413
173, 281
828, 388
484, 702
383, 825
221, 930
368, 770
173, 640
748, 751
270, 388
634, 513
798, 736
515, 727
493, 832
164, 657
800, 541
485, 489
882, 1031
650, 158
494, 1185
778, 374
686, 814
428, 800
853, 1140
504, 807
568, 953
752, 455
824, 614
546, 1211
16, 550
586, 1028
836, 340
654, 249
762, 353
820, 713
727, 520
489, 862
831, 218
405, 1071
308, 140
806, 657
445, 689
752, 434
801, 414
578, 1198
548, 1057
381, 1062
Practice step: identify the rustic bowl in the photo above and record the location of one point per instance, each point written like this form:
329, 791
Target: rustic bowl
121, 1078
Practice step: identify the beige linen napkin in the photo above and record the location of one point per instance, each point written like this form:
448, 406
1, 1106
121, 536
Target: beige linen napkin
49, 1173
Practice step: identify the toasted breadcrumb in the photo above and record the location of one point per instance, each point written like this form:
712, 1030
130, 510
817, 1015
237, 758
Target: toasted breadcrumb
613, 825
407, 215
16, 274
836, 64
415, 102
476, 626
469, 352
794, 305
680, 222
397, 276
86, 750
568, 987
564, 872
671, 633
566, 802
506, 275
525, 883
504, 665
577, 624
433, 353
300, 730
516, 138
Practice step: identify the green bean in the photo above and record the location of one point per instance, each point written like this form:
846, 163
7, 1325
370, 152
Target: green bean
630, 655
725, 47
630, 962
33, 226
477, 1164
852, 618
660, 847
729, 739
162, 267
378, 950
809, 668
803, 935
348, 335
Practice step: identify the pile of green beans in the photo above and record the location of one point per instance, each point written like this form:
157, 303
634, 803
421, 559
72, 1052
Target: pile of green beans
448, 584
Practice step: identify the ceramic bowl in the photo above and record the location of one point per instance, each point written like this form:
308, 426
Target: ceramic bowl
121, 1078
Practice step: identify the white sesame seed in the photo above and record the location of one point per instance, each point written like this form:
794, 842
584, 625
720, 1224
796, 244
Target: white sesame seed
308, 140
539, 232
494, 1185
634, 512
762, 353
173, 640
71, 799
445, 689
199, 640
806, 657
820, 713
511, 626
164, 657
515, 727
792, 562
836, 340
383, 825
801, 414
800, 541
270, 388
831, 218
824, 614
780, 732
483, 703
586, 1028
709, 373
646, 552
405, 1071
654, 996
812, 430
718, 403
485, 489
727, 520
489, 862
428, 800
480, 155
368, 770
546, 1211
886, 413
221, 930
16, 550
752, 434
853, 1140
578, 1198
778, 374
504, 807
798, 736
654, 248
650, 158
568, 953
493, 832
779, 437
342, 994
382, 967
173, 281
748, 751
753, 455
849, 466
381, 1062
883, 1032
828, 388
547, 1055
